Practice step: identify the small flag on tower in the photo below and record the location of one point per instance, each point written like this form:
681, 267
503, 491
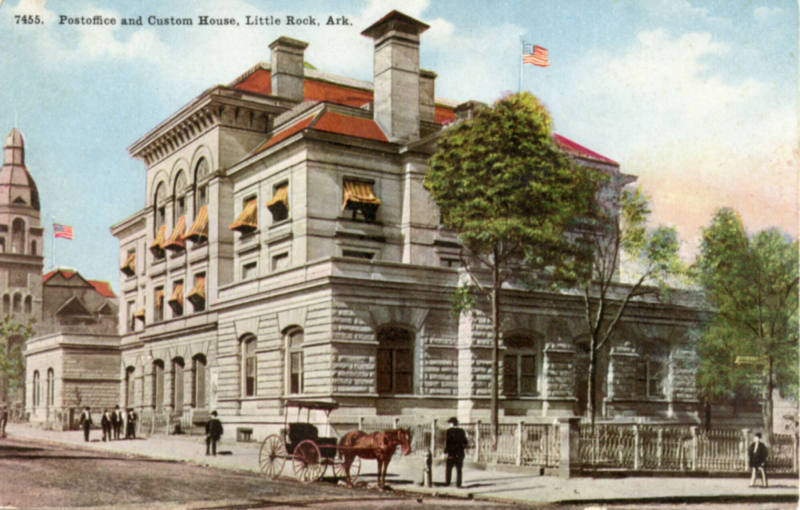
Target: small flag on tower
537, 57
62, 231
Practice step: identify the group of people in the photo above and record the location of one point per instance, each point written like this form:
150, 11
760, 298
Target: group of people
112, 423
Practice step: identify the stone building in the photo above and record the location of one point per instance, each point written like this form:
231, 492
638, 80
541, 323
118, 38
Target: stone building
287, 249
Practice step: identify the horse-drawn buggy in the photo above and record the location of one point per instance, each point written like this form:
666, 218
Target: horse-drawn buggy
310, 454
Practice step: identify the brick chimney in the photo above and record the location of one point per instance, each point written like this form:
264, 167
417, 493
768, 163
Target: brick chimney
286, 67
396, 77
427, 95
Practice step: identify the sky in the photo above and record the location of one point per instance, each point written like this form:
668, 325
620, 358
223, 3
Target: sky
696, 98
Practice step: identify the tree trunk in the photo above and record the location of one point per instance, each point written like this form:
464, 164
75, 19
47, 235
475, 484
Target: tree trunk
592, 382
495, 348
768, 404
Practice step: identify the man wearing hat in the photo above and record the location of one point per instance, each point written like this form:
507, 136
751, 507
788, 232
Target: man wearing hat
213, 433
757, 454
454, 446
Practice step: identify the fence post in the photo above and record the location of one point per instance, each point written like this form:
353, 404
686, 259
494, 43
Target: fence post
660, 451
519, 443
433, 437
396, 421
745, 443
694, 448
360, 423
568, 449
635, 446
477, 453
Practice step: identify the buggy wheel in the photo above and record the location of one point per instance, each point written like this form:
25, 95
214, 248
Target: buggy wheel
272, 456
355, 468
307, 462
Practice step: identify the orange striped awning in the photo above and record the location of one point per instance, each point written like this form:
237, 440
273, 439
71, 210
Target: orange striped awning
157, 247
175, 241
129, 267
247, 221
199, 230
176, 300
139, 315
197, 296
281, 197
356, 192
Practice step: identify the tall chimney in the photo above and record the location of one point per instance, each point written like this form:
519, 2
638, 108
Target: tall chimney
427, 99
396, 75
286, 67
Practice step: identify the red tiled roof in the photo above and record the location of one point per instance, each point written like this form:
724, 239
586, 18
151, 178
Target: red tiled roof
333, 122
102, 288
286, 132
443, 114
576, 149
258, 81
65, 274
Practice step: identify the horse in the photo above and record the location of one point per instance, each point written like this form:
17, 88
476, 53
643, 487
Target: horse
378, 445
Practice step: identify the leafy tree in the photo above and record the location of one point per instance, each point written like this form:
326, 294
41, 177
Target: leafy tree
509, 192
619, 231
13, 336
752, 285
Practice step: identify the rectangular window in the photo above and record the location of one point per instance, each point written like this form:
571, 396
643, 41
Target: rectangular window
296, 381
510, 375
131, 316
250, 368
519, 375
280, 261
158, 304
359, 197
365, 255
395, 367
249, 270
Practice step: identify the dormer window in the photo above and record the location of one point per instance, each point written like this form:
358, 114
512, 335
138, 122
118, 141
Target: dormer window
359, 197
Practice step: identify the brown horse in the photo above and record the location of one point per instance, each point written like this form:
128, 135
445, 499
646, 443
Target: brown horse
378, 445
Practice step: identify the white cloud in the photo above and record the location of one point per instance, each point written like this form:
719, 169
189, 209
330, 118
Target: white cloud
765, 14
679, 9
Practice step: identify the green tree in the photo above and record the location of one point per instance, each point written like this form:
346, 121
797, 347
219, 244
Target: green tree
617, 232
509, 192
751, 283
12, 363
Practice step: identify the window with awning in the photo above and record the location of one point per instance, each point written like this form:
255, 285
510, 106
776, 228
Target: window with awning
158, 314
198, 232
176, 299
129, 267
139, 315
278, 205
359, 197
197, 296
175, 241
247, 221
157, 247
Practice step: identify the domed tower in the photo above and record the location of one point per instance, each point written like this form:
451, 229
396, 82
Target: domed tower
21, 247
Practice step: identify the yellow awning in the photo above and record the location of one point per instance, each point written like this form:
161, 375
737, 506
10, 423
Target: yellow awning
175, 241
359, 193
139, 315
129, 267
176, 300
197, 296
199, 230
159, 298
279, 199
157, 247
248, 218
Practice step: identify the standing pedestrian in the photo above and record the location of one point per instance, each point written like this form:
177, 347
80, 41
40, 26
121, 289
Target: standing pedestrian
757, 455
455, 444
213, 433
86, 422
116, 422
105, 424
130, 432
3, 419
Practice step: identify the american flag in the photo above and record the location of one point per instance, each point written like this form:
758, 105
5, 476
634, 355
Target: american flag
62, 231
537, 57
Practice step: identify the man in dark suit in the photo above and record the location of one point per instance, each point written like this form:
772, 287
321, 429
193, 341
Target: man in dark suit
455, 444
116, 421
105, 424
757, 454
213, 433
86, 422
130, 430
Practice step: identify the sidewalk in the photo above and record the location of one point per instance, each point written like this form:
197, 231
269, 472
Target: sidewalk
405, 473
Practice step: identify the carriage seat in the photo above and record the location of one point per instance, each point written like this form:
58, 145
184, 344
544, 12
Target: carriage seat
300, 431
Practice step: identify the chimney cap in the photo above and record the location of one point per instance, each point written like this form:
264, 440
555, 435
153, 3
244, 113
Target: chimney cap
395, 20
288, 42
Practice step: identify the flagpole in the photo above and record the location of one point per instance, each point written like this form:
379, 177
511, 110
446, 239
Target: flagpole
53, 226
519, 84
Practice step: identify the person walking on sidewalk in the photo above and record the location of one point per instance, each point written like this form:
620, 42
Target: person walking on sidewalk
213, 433
105, 424
454, 446
116, 422
757, 455
130, 429
86, 422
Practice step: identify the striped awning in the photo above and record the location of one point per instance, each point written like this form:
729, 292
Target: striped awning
247, 221
176, 300
197, 296
159, 298
279, 200
175, 241
157, 247
199, 230
139, 315
129, 267
356, 192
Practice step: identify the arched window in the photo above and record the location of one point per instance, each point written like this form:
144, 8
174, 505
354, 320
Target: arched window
17, 303
395, 361
520, 366
6, 304
200, 186
178, 193
249, 366
130, 387
28, 304
199, 381
158, 384
18, 236
51, 383
177, 383
160, 207
36, 388
294, 343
